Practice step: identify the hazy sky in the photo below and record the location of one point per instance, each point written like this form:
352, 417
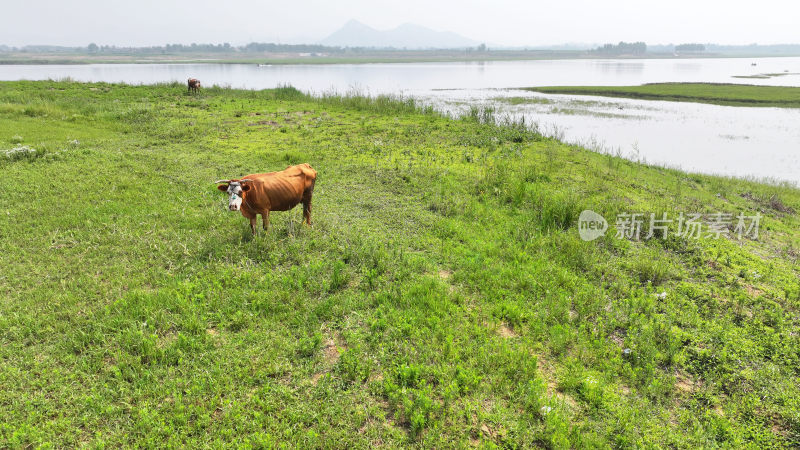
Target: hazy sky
503, 22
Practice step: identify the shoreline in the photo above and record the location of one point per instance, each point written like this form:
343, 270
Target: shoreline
378, 59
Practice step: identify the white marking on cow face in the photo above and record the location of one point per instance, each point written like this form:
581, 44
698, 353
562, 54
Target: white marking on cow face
236, 194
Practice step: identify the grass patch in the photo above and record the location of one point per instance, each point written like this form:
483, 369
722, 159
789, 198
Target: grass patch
523, 100
443, 297
766, 76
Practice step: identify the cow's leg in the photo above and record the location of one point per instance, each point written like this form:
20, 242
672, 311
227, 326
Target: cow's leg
307, 211
265, 218
307, 203
253, 221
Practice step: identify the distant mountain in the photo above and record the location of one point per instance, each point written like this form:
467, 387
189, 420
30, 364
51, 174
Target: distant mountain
409, 35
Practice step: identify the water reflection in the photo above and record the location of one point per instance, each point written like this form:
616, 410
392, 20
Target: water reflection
621, 68
412, 77
688, 67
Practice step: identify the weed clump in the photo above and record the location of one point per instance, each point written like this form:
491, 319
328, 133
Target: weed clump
22, 152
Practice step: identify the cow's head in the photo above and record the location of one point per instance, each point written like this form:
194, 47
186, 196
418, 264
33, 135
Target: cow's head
236, 190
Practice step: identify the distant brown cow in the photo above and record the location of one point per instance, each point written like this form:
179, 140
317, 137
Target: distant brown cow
194, 84
261, 193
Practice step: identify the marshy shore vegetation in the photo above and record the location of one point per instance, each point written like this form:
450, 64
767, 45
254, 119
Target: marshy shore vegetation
714, 93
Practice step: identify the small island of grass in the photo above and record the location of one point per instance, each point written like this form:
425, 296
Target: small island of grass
718, 94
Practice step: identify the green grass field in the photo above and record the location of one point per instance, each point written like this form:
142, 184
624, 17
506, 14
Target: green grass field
443, 297
718, 94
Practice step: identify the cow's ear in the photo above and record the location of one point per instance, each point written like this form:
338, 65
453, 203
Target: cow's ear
245, 187
223, 187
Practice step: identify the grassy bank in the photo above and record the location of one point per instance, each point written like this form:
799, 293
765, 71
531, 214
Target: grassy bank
442, 298
718, 94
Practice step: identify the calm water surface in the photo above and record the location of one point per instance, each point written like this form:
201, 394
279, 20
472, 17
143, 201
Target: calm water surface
759, 142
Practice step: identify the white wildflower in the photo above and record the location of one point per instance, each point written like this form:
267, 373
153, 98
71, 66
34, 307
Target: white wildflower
18, 151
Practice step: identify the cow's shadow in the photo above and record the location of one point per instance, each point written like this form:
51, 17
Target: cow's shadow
279, 231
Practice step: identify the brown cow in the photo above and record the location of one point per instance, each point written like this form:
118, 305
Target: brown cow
194, 84
261, 193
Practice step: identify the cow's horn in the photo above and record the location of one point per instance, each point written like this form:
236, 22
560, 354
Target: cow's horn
244, 180
222, 181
